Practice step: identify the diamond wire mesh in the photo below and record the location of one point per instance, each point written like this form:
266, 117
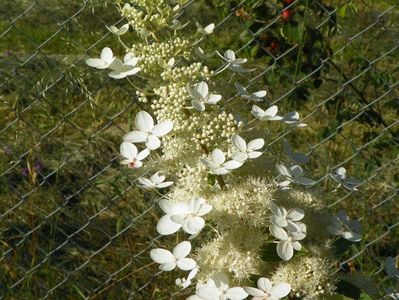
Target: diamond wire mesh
63, 217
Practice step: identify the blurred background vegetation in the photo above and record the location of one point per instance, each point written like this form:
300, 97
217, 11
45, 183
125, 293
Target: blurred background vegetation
73, 224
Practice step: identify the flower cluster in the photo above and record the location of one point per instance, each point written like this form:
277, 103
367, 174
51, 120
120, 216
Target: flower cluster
192, 132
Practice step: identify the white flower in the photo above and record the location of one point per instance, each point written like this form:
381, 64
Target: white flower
133, 158
217, 288
156, 181
288, 240
185, 282
218, 165
200, 94
256, 97
281, 217
246, 151
168, 260
125, 68
185, 215
147, 132
293, 174
118, 31
340, 176
233, 63
269, 114
207, 30
296, 157
267, 291
343, 226
106, 60
390, 267
292, 118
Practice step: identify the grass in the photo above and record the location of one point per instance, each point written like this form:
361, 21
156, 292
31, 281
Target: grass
72, 221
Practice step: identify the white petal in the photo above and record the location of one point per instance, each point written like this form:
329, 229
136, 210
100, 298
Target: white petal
145, 182
182, 249
259, 94
236, 293
254, 154
208, 163
255, 292
295, 214
135, 137
279, 221
232, 164
280, 290
107, 55
240, 156
96, 63
213, 99
198, 105
271, 111
230, 55
256, 144
264, 284
204, 209
296, 245
144, 121
285, 250
117, 74
164, 184
218, 156
219, 171
193, 92
166, 226
162, 128
143, 154
153, 142
257, 112
351, 236
132, 71
157, 178
296, 171
278, 232
194, 225
202, 89
186, 264
239, 142
168, 266
283, 170
208, 293
128, 150
161, 256
276, 210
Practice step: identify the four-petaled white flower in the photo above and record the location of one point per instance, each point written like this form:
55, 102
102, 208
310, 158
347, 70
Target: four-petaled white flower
293, 174
169, 260
269, 114
292, 118
185, 215
256, 96
125, 68
218, 165
156, 181
281, 217
205, 30
147, 132
200, 94
340, 176
185, 282
234, 64
343, 226
267, 291
118, 31
390, 267
246, 151
289, 240
217, 288
133, 158
106, 60
296, 157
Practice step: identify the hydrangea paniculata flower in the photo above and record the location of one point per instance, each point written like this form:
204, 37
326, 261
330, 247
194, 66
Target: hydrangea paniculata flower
256, 96
289, 240
340, 175
343, 226
246, 151
177, 258
133, 158
268, 291
293, 174
156, 181
200, 94
218, 165
269, 114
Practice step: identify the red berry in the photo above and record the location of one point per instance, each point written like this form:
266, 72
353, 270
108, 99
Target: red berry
286, 15
274, 45
288, 1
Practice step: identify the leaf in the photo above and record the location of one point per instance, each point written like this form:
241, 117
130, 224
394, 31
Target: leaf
336, 297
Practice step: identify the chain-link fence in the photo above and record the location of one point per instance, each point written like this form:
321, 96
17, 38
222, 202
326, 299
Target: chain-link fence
73, 224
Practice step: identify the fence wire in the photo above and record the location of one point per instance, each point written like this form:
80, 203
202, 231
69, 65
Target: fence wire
70, 218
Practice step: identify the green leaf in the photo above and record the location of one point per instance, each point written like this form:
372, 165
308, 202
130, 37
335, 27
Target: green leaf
336, 297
